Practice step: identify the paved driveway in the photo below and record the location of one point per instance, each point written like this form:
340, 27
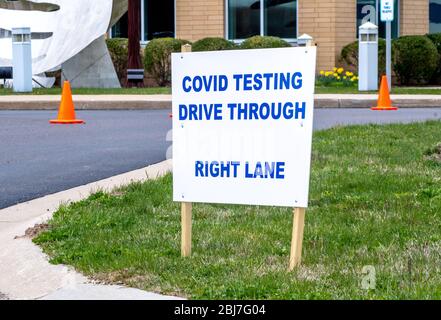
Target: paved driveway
37, 159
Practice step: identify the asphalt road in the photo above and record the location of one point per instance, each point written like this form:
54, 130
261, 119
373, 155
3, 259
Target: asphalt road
38, 159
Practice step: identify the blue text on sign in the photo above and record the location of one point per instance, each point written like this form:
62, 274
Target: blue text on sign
243, 111
243, 82
230, 169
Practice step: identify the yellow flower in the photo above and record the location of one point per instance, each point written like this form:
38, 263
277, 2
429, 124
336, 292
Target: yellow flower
336, 75
340, 70
322, 72
349, 74
345, 77
335, 69
338, 78
352, 80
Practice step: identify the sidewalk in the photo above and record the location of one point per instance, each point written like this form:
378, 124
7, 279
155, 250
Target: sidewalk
146, 102
25, 272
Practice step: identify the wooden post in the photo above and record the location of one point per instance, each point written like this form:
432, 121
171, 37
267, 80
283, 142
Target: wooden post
186, 212
297, 238
134, 47
299, 213
186, 48
186, 208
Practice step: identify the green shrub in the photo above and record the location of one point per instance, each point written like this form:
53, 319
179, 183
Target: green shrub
436, 39
213, 44
259, 42
415, 59
157, 58
119, 51
349, 55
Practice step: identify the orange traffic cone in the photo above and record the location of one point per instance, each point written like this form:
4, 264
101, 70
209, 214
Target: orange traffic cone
384, 103
66, 114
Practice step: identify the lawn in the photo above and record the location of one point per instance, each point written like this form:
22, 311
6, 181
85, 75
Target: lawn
375, 201
92, 91
165, 90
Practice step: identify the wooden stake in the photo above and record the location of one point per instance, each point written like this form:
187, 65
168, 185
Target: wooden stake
186, 229
297, 238
186, 48
186, 208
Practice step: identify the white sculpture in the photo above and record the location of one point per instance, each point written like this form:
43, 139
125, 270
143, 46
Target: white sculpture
60, 28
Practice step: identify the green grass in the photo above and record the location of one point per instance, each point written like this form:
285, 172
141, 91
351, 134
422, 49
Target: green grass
151, 91
92, 91
340, 90
395, 90
375, 200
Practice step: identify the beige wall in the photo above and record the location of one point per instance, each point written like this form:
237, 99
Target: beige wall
414, 17
345, 25
317, 18
332, 23
196, 19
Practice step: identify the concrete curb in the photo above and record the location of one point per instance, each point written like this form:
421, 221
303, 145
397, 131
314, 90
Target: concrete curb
366, 101
25, 272
152, 102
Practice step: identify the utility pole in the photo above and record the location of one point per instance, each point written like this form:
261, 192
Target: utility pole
135, 69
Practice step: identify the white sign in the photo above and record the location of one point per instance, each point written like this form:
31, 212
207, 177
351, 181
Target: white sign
242, 126
387, 10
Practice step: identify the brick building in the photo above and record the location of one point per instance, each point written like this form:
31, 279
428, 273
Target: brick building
332, 23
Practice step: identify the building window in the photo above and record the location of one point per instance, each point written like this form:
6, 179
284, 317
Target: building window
247, 18
119, 30
435, 16
368, 11
157, 21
